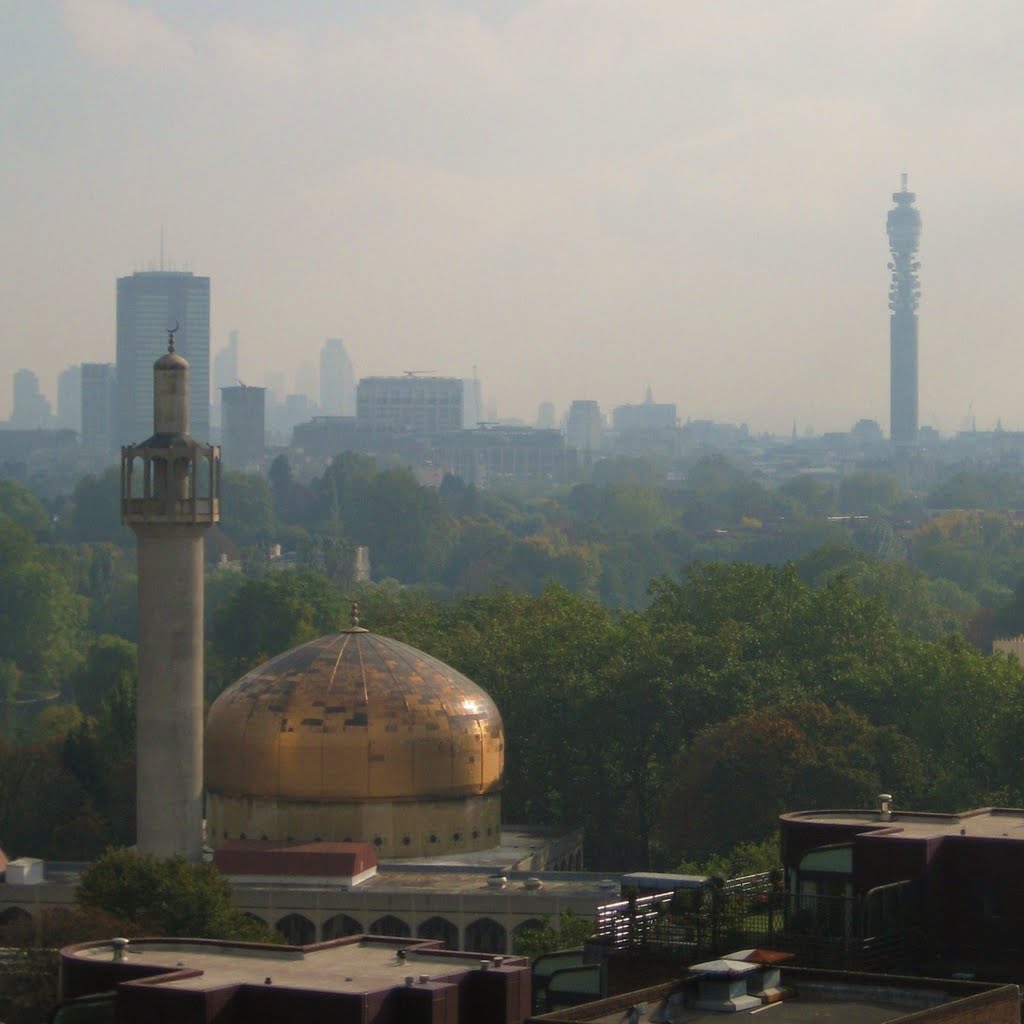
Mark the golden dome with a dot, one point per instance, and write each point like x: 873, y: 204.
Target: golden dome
x: 354, y: 717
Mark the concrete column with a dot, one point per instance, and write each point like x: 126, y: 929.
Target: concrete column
x: 170, y: 696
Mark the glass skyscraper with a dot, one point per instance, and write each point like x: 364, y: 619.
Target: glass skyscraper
x: 149, y: 304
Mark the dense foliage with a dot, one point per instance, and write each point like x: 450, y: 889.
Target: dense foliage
x: 166, y: 897
x: 677, y: 659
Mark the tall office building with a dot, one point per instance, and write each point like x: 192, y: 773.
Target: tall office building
x: 31, y: 410
x: 148, y: 305
x: 337, y: 380
x: 98, y: 401
x: 69, y: 399
x: 472, y: 403
x: 584, y: 427
x: 903, y: 225
x: 410, y: 404
x: 225, y: 365
x: 244, y: 426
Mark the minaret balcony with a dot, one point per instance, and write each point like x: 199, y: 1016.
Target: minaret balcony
x: 175, y: 483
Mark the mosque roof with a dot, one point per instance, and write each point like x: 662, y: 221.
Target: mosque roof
x: 354, y: 717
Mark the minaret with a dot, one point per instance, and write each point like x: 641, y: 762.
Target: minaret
x: 170, y: 495
x: 903, y: 225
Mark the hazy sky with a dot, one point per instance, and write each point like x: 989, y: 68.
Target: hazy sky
x: 580, y: 197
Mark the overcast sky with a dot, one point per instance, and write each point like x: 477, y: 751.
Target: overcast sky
x: 578, y: 197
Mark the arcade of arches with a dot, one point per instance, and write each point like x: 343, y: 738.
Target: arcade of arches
x: 481, y: 934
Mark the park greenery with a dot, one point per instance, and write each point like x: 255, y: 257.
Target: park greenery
x: 678, y: 659
x: 166, y: 897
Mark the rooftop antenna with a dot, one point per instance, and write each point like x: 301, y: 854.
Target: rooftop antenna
x: 903, y: 181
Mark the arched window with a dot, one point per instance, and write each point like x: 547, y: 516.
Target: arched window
x: 439, y: 928
x: 297, y: 930
x: 485, y: 935
x: 392, y: 926
x: 339, y: 926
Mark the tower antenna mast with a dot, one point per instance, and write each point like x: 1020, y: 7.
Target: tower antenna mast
x: 903, y: 226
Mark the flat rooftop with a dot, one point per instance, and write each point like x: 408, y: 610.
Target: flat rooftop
x: 455, y: 882
x: 989, y: 822
x: 518, y: 846
x: 361, y: 966
x: 820, y: 997
x: 789, y: 1011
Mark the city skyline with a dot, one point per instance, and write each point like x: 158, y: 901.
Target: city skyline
x: 587, y: 199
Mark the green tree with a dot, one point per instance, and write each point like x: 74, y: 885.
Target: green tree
x: 978, y: 489
x: 745, y: 858
x: 110, y: 662
x: 293, y: 501
x: 40, y: 618
x: 569, y: 931
x: 167, y: 897
x: 10, y: 684
x: 96, y: 510
x: 867, y: 493
x: 20, y: 506
x: 269, y: 615
x: 43, y: 810
x: 808, y: 495
x: 247, y: 510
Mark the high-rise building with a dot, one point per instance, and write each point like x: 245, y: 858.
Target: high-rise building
x: 903, y: 225
x: 337, y: 380
x: 472, y: 403
x: 31, y: 410
x: 98, y: 400
x: 170, y: 496
x: 414, y: 404
x: 69, y: 399
x: 307, y: 382
x: 648, y: 416
x: 225, y: 365
x: 148, y: 305
x: 244, y: 426
x: 584, y: 427
x: 546, y: 415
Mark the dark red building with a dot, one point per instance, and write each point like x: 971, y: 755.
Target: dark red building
x: 944, y: 890
x: 356, y: 979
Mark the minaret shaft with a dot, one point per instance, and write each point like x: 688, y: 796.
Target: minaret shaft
x: 169, y: 722
x: 170, y: 491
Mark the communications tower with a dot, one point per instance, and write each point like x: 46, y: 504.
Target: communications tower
x: 170, y: 496
x: 903, y: 226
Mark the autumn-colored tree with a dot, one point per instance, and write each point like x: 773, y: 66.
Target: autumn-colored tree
x: 735, y: 780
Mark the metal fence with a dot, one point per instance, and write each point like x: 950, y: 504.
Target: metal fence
x: 756, y: 912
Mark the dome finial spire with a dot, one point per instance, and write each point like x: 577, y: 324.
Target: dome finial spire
x: 354, y: 614
x: 170, y: 337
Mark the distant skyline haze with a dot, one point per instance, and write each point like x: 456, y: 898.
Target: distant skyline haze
x: 576, y: 198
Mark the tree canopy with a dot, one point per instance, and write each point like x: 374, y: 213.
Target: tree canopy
x: 170, y: 897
